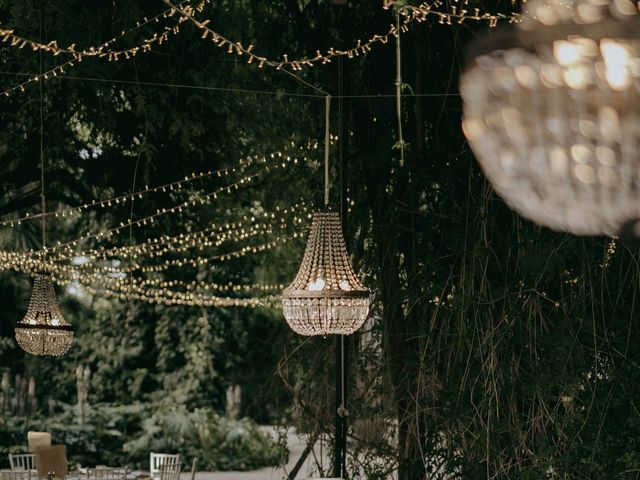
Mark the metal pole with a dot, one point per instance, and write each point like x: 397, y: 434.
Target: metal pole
x: 339, y: 421
x: 340, y: 454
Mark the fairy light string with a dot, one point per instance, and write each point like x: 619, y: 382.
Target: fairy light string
x: 99, y: 269
x: 154, y: 290
x: 8, y: 37
x: 446, y: 14
x: 212, y: 237
x: 419, y: 13
x: 21, y: 263
x: 456, y: 14
x: 290, y: 152
x: 203, y: 199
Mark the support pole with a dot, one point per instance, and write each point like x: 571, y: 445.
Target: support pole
x: 341, y: 413
x: 342, y: 345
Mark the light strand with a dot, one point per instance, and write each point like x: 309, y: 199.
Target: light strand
x: 101, y: 51
x: 285, y: 152
x: 214, y: 235
x: 8, y: 37
x: 282, y: 219
x: 203, y: 199
x: 453, y: 15
x: 419, y: 13
x: 459, y: 13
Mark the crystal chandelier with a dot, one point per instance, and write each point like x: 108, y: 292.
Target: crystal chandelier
x: 326, y: 297
x: 552, y: 112
x: 44, y: 331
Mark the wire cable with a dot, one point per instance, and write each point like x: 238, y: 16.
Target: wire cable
x: 275, y: 93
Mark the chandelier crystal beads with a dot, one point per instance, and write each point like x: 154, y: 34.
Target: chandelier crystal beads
x: 552, y: 112
x: 44, y: 331
x: 326, y: 297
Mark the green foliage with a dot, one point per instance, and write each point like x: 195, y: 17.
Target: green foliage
x: 98, y: 441
x: 124, y: 435
x: 217, y: 442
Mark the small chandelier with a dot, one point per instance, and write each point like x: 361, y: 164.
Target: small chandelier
x: 44, y: 331
x: 326, y: 297
x: 552, y: 112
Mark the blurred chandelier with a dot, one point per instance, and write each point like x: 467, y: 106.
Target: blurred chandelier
x: 44, y: 331
x: 326, y: 297
x: 552, y: 111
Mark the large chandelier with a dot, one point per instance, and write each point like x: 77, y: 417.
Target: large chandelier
x: 326, y: 297
x: 552, y: 111
x: 44, y: 331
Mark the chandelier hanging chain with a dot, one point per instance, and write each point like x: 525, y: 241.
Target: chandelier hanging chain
x: 327, y: 136
x: 400, y: 143
x: 42, y: 195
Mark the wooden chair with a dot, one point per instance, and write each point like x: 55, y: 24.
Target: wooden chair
x: 52, y: 459
x: 38, y: 439
x: 22, y: 461
x: 194, y: 467
x: 170, y: 470
x: 15, y: 474
x: 107, y: 473
x: 156, y: 460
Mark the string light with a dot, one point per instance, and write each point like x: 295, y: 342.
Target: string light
x: 23, y: 263
x: 163, y: 291
x: 281, y: 161
x: 115, y: 280
x: 157, y: 297
x: 214, y: 236
x: 288, y: 153
x: 102, y: 51
x: 119, y: 200
x: 418, y: 13
x: 8, y: 37
x: 289, y: 218
x: 90, y: 279
x: 101, y: 269
x: 456, y: 14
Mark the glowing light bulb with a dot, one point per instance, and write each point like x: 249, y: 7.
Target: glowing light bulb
x: 566, y: 53
x: 317, y: 285
x: 617, y: 60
